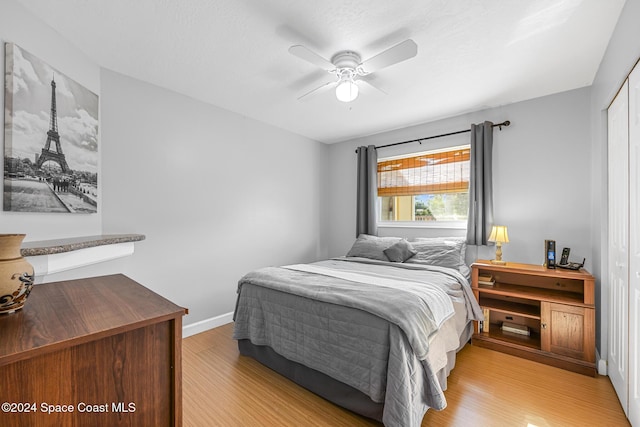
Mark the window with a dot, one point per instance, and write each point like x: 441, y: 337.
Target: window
x: 429, y: 188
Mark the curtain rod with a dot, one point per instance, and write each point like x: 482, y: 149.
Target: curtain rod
x: 505, y: 123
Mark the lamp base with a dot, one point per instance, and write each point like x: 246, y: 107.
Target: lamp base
x: 498, y: 259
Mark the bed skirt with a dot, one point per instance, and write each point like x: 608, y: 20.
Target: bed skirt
x: 324, y: 386
x: 330, y: 389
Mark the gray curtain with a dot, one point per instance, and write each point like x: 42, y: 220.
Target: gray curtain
x: 367, y: 196
x: 480, y: 217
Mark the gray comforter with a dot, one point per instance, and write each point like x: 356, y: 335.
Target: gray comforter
x: 327, y: 316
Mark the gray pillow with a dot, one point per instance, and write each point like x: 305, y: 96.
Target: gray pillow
x: 442, y: 251
x: 400, y: 252
x: 372, y: 247
x: 437, y: 255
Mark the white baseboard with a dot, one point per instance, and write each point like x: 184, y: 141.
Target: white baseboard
x: 206, y: 324
x: 601, y: 364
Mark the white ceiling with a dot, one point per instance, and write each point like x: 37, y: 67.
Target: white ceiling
x: 472, y: 54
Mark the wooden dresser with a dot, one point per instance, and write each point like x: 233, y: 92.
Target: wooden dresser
x: 102, y: 351
x: 552, y: 311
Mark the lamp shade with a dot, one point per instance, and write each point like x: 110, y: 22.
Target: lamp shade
x: 499, y: 234
x: 347, y: 90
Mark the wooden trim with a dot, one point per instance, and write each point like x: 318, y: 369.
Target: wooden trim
x: 623, y: 82
x: 436, y: 159
x: 589, y: 291
x: 415, y: 190
x: 529, y: 353
x: 534, y: 269
x: 176, y: 378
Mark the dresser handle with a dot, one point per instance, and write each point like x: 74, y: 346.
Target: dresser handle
x: 544, y: 325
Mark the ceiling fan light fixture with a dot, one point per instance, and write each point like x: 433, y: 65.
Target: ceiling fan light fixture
x: 347, y: 90
x: 348, y: 67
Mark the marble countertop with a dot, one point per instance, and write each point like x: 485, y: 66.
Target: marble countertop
x: 57, y: 246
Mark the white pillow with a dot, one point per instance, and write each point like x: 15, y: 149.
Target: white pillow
x: 442, y: 251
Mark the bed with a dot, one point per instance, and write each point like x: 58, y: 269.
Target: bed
x: 375, y: 331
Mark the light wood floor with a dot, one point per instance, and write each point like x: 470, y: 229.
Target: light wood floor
x: 486, y: 388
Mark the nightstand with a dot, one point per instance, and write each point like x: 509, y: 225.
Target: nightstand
x: 546, y: 315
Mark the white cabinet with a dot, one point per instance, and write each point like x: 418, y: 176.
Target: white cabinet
x: 624, y: 245
x: 634, y: 246
x: 618, y: 135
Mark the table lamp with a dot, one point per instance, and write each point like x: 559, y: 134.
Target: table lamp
x: 499, y: 235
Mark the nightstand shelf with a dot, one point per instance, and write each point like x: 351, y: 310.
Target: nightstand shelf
x: 510, y: 307
x: 555, y: 307
x: 534, y: 293
x: 495, y: 333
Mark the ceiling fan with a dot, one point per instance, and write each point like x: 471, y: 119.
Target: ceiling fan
x: 348, y: 68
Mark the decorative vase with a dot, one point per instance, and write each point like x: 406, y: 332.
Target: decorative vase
x: 16, y: 274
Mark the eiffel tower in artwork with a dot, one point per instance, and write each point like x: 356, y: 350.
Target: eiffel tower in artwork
x: 53, y: 135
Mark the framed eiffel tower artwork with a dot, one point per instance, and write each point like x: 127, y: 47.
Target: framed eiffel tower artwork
x: 50, y: 139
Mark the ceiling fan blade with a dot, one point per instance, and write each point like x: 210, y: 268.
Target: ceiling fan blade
x: 319, y: 89
x: 312, y: 57
x: 398, y: 53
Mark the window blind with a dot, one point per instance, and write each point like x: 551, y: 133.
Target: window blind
x: 426, y: 173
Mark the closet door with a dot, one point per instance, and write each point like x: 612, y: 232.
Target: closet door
x: 634, y: 247
x: 618, y: 136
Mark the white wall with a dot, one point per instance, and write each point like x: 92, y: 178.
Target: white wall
x: 216, y: 194
x: 20, y: 27
x: 621, y: 54
x: 541, y: 176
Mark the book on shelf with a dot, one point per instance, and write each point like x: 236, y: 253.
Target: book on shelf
x: 485, y: 323
x: 515, y: 328
x: 486, y: 279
